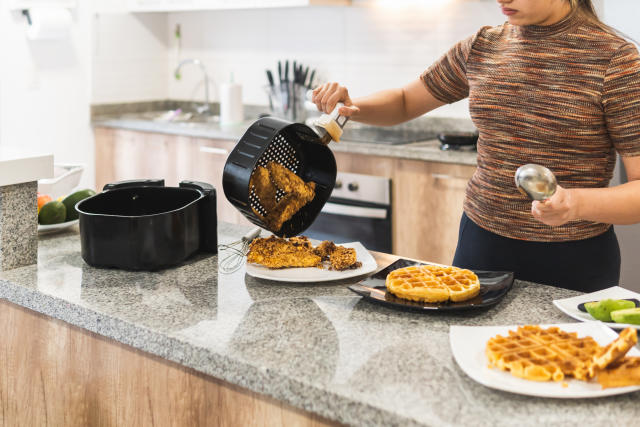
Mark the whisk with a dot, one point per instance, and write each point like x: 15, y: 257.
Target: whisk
x: 235, y: 252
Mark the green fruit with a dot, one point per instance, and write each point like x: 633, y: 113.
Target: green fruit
x: 601, y: 310
x: 53, y: 212
x: 72, y: 199
x: 629, y: 315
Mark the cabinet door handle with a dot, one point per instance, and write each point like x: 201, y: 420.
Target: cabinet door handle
x: 214, y: 150
x: 445, y: 176
x: 354, y: 211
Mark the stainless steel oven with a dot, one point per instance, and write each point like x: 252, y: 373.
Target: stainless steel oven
x: 359, y: 209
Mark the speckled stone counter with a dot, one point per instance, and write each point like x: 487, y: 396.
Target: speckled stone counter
x: 18, y: 225
x: 318, y: 347
x: 427, y: 150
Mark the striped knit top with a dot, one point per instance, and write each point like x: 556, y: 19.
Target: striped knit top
x: 565, y: 96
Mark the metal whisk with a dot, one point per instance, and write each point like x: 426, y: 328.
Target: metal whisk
x: 235, y: 252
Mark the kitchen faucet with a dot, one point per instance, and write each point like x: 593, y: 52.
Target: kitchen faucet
x: 203, y: 109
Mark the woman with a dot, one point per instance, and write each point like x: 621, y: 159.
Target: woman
x: 552, y: 86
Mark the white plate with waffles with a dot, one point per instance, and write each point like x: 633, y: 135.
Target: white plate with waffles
x: 569, y: 306
x: 468, y: 344
x: 314, y: 274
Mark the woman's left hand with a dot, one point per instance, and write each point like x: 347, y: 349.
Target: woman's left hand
x: 557, y: 210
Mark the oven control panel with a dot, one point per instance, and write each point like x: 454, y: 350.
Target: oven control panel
x: 365, y: 188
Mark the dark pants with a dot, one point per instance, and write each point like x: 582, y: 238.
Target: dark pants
x: 583, y: 265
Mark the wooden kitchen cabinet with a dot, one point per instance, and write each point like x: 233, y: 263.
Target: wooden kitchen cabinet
x: 56, y: 374
x: 427, y: 202
x: 123, y: 154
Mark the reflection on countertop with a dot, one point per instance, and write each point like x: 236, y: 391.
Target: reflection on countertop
x: 151, y: 117
x: 318, y: 347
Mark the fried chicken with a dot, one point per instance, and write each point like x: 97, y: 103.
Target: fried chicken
x: 264, y: 188
x: 289, y: 182
x: 275, y: 252
x: 288, y: 206
x: 266, y: 181
x: 302, y: 241
x: 324, y: 249
x: 342, y: 258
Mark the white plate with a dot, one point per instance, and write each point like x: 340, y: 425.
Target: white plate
x: 569, y: 306
x: 50, y: 228
x: 313, y: 274
x: 468, y: 345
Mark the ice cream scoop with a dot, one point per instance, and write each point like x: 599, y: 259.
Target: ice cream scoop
x: 536, y: 182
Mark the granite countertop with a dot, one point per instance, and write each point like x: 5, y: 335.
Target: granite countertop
x: 318, y: 347
x: 427, y: 150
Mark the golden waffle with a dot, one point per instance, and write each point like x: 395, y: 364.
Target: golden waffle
x: 539, y: 354
x: 462, y: 284
x: 616, y: 349
x: 624, y: 372
x: 430, y: 283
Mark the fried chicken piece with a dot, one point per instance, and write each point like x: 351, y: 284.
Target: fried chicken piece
x: 302, y: 241
x: 344, y: 258
x: 286, y: 180
x: 276, y: 252
x: 288, y: 206
x: 264, y: 188
x: 324, y: 249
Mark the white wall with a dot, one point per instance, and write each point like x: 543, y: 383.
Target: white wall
x: 45, y: 90
x: 129, y: 57
x: 365, y: 48
x: 623, y: 15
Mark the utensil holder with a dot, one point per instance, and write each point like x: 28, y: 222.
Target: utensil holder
x: 287, y: 102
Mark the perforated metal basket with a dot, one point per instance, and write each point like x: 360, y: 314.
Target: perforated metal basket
x: 293, y: 145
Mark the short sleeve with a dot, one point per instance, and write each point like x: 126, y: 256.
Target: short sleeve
x: 446, y: 78
x: 621, y: 100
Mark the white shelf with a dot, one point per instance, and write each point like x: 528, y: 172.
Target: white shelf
x: 26, y: 4
x: 17, y: 167
x: 185, y: 5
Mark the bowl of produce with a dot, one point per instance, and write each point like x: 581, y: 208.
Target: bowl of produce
x: 59, y: 214
x: 66, y: 178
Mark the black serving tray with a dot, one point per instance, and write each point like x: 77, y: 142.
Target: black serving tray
x: 494, y: 285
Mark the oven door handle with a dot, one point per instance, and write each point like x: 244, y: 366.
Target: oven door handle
x: 354, y: 211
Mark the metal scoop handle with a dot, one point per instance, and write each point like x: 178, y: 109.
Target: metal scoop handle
x: 319, y: 126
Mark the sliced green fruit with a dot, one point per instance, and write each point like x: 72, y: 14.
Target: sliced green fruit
x: 72, y: 199
x: 629, y: 315
x: 53, y: 212
x: 601, y: 310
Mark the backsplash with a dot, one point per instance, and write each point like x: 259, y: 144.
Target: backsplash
x: 365, y: 48
x: 129, y: 57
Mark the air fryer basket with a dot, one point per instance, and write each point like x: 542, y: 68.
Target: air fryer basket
x: 292, y: 145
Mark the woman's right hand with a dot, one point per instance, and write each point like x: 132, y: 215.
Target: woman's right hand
x: 328, y: 95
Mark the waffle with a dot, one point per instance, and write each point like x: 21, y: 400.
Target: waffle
x: 430, y: 283
x: 616, y: 349
x: 540, y: 354
x: 624, y: 372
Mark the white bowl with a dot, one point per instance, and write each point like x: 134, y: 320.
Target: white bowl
x: 65, y: 179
